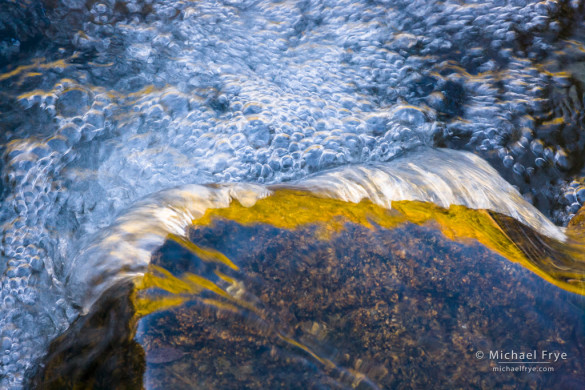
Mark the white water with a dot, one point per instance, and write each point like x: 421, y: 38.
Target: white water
x: 121, y: 102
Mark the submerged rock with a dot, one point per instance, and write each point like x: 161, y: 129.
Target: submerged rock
x: 336, y: 295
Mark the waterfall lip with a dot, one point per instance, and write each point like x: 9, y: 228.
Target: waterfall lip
x: 444, y: 177
x: 123, y: 250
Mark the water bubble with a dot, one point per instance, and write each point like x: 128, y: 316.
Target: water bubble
x: 58, y: 144
x: 266, y: 171
x: 100, y: 8
x: 574, y: 208
x: 327, y: 158
x: 294, y: 147
x: 258, y: 133
x: 518, y: 169
x: 508, y: 161
x: 562, y: 159
x: 74, y: 4
x: 252, y: 108
x: 537, y: 147
x: 6, y: 362
x: 570, y: 197
x: 14, y: 356
x: 409, y: 116
x: 281, y: 141
x: 6, y: 343
x: 175, y: 103
x: 9, y: 301
x: 238, y: 140
x: 377, y: 124
x: 73, y: 101
x: 37, y: 264
x: 71, y: 133
x: 24, y: 270
x: 287, y: 162
x: 311, y: 157
x: 548, y: 153
x: 580, y: 193
x: 274, y: 163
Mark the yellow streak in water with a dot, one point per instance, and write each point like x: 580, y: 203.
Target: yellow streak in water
x: 190, y: 285
x: 200, y: 281
x: 221, y: 305
x: 210, y: 255
x: 303, y: 347
x: 225, y: 278
x: 161, y: 278
x: 144, y: 306
x: 289, y: 209
x: 555, y: 121
x: 37, y: 64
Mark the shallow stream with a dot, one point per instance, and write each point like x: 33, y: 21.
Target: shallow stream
x: 122, y: 123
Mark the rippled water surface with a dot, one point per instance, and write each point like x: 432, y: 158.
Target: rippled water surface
x: 123, y: 122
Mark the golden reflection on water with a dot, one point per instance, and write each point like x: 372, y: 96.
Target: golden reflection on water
x: 188, y: 287
x: 288, y: 209
x: 37, y: 64
x: 209, y: 255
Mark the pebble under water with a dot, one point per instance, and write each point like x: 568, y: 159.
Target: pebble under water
x: 106, y: 103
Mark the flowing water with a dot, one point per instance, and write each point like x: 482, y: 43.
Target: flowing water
x: 123, y: 122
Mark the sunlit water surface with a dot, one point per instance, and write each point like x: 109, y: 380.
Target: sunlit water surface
x: 105, y: 104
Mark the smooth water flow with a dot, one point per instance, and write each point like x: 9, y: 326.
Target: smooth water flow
x: 104, y: 104
x: 124, y: 250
